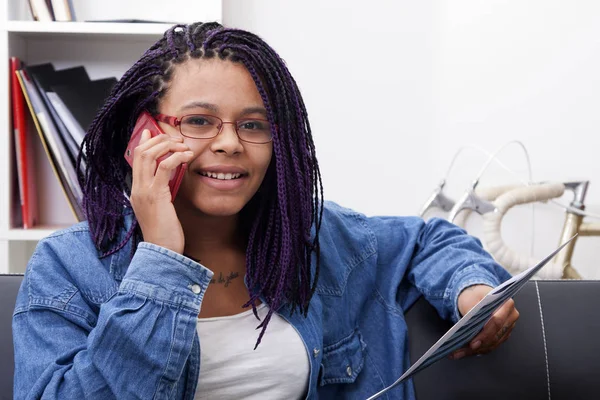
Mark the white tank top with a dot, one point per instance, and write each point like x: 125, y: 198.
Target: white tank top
x: 230, y: 368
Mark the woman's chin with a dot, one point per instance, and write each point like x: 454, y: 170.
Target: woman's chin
x: 218, y: 207
x: 219, y: 211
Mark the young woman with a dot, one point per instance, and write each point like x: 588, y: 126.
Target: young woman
x: 159, y: 299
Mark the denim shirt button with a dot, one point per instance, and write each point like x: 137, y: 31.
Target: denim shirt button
x: 349, y: 370
x: 196, y: 289
x: 316, y: 352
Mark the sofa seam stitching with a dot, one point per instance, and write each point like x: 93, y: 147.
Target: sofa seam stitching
x: 544, y: 339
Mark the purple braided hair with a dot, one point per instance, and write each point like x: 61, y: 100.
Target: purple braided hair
x: 277, y: 221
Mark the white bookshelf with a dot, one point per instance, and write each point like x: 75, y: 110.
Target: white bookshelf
x: 66, y: 30
x: 30, y: 235
x: 105, y: 49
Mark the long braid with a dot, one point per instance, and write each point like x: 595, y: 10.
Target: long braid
x: 300, y: 177
x: 279, y: 218
x: 310, y: 179
x: 283, y: 177
x: 286, y: 253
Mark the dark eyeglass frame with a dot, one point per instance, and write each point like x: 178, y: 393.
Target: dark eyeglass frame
x: 176, y: 122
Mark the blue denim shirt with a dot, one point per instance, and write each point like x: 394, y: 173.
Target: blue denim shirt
x: 122, y: 327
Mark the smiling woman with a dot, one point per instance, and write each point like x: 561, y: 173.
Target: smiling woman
x: 157, y: 297
x: 199, y: 87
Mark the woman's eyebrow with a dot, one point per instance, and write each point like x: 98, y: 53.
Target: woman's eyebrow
x: 214, y: 108
x: 201, y: 104
x: 255, y: 110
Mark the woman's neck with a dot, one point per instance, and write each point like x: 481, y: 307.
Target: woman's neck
x: 218, y: 244
x: 206, y: 234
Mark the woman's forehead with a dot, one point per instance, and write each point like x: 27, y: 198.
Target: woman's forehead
x: 223, y: 83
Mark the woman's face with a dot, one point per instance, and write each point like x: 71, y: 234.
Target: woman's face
x: 225, y: 90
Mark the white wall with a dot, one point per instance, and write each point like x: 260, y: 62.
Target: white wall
x: 366, y: 77
x: 526, y: 70
x: 394, y: 88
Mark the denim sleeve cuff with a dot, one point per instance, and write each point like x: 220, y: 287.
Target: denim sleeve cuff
x: 167, y: 276
x: 472, y: 275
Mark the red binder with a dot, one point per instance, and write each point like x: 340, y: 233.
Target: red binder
x: 24, y: 156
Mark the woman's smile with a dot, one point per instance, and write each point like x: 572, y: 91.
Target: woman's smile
x: 223, y: 178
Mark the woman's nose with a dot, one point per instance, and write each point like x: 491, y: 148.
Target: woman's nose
x: 227, y: 140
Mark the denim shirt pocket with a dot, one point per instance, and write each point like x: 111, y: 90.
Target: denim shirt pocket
x: 343, y: 360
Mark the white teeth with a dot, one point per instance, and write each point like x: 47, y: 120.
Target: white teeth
x: 221, y: 176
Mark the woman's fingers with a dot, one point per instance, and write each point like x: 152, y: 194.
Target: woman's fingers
x: 168, y: 165
x: 150, y: 196
x: 495, y: 327
x: 496, y: 331
x: 136, y: 170
x: 503, y: 334
x: 147, y: 153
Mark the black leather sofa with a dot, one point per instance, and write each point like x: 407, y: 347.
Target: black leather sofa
x: 552, y: 354
x: 9, y: 286
x: 558, y: 359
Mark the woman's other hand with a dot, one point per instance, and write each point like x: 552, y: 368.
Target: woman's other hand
x: 150, y: 194
x: 496, y: 331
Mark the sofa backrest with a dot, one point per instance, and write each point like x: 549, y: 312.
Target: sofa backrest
x: 9, y: 286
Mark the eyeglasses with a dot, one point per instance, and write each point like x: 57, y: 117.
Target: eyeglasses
x: 203, y: 126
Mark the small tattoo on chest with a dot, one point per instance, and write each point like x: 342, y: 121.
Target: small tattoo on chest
x: 225, y: 279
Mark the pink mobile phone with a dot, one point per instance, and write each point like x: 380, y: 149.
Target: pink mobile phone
x: 145, y: 121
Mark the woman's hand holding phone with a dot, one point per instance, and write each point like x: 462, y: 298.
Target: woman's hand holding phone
x: 150, y: 193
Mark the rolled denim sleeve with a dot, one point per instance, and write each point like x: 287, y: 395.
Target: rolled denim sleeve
x: 470, y: 276
x: 166, y: 276
x: 135, y: 346
x: 435, y: 259
x: 447, y: 261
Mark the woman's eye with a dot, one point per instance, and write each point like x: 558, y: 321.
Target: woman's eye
x: 252, y: 125
x: 199, y: 121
